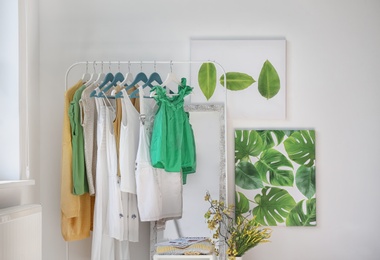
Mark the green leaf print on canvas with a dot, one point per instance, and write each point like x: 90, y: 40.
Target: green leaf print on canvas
x: 237, y: 80
x: 207, y: 79
x: 269, y: 81
x: 275, y: 168
x: 297, y: 216
x: 300, y: 147
x: 247, y: 177
x: 247, y: 143
x: 305, y: 180
x: 242, y: 204
x: 271, y: 138
x: 273, y: 206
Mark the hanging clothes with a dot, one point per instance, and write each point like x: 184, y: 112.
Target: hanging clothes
x: 76, y: 211
x: 107, y: 200
x: 172, y: 145
x: 129, y: 136
x: 80, y: 184
x: 159, y: 193
x: 89, y: 135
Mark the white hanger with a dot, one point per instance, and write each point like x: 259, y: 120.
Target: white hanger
x: 128, y: 78
x: 170, y: 78
x: 100, y: 77
x: 86, y: 76
x: 92, y: 77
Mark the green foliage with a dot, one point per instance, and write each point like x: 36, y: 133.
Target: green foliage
x: 305, y: 181
x: 237, y: 81
x: 247, y: 177
x: 268, y: 85
x: 207, y: 79
x: 241, y: 204
x: 300, y: 147
x: 269, y: 81
x: 279, y: 158
x: 247, y: 143
x: 297, y: 216
x: 271, y: 138
x: 273, y: 206
x: 275, y: 168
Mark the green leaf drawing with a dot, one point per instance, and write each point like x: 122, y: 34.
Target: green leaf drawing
x: 237, y: 80
x: 207, y: 79
x: 268, y: 137
x: 269, y: 81
x: 247, y: 143
x: 247, y: 177
x: 273, y: 206
x: 298, y: 217
x: 275, y: 168
x: 241, y: 204
x: 305, y: 180
x: 300, y: 147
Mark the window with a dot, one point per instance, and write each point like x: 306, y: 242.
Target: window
x: 9, y: 94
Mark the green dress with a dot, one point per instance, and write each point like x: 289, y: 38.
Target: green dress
x: 172, y: 145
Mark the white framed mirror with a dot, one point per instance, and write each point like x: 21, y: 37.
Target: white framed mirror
x: 209, y: 124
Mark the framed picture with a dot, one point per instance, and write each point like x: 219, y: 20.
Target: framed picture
x: 261, y: 63
x: 275, y: 176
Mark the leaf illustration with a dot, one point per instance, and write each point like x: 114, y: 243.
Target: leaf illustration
x: 207, y: 79
x: 247, y: 143
x: 237, y: 80
x: 273, y: 207
x: 300, y: 147
x: 275, y: 168
x: 305, y: 180
x: 269, y: 81
x: 242, y: 204
x: 247, y: 177
x: 298, y: 217
x: 268, y: 137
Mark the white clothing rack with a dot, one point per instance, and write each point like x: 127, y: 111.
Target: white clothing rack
x: 171, y: 62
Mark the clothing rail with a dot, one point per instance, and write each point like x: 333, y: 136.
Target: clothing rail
x: 171, y: 62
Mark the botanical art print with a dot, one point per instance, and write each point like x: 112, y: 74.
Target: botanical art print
x: 275, y: 176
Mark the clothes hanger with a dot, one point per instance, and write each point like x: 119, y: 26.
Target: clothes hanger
x: 100, y: 77
x: 119, y: 77
x: 170, y: 78
x: 86, y: 76
x: 128, y: 78
x: 93, y: 76
x: 154, y: 77
x: 140, y: 77
x: 107, y: 78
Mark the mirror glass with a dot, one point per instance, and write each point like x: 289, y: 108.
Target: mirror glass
x: 208, y: 122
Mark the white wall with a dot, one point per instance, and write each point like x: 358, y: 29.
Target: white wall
x: 333, y: 64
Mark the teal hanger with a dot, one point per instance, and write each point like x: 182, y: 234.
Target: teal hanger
x: 108, y: 78
x: 139, y: 77
x: 119, y: 77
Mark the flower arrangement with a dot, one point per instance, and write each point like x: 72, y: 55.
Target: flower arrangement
x: 239, y: 233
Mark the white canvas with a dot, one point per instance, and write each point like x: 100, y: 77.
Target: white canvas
x: 246, y: 56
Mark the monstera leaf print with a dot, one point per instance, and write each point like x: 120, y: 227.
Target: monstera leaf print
x: 305, y: 180
x: 275, y: 176
x: 247, y: 143
x: 273, y: 206
x: 300, y: 147
x: 268, y: 137
x: 275, y: 168
x: 298, y: 217
x: 241, y: 204
x: 247, y: 177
